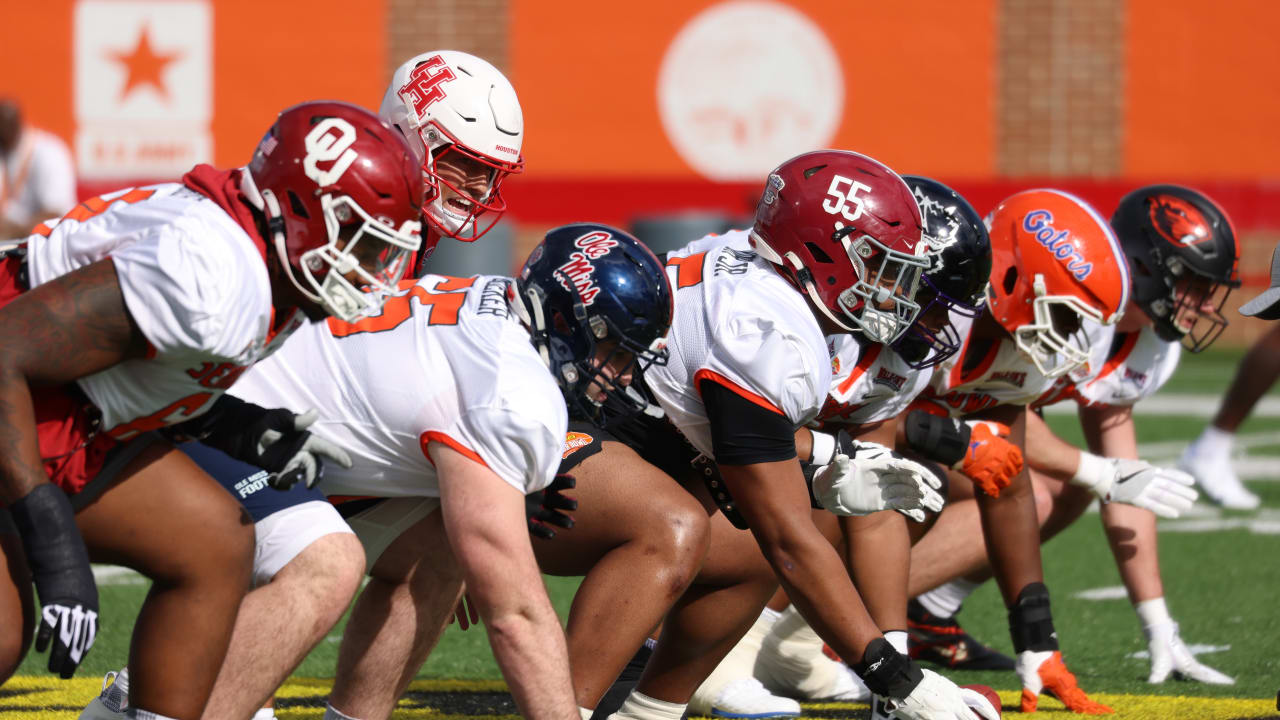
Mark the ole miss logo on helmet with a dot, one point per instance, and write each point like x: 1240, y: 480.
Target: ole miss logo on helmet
x: 1178, y: 221
x: 579, y: 270
x: 426, y: 84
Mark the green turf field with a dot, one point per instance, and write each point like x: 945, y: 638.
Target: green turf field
x: 1221, y: 573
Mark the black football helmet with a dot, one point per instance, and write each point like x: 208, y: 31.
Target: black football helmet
x: 1183, y: 260
x: 956, y: 280
x: 586, y: 286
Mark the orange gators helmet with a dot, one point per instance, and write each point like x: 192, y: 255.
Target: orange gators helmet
x: 1055, y: 262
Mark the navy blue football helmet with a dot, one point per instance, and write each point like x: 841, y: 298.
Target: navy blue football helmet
x: 956, y: 280
x: 594, y: 297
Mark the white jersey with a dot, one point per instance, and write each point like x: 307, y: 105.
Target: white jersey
x: 1123, y: 367
x: 194, y: 283
x: 739, y: 323
x: 37, y: 179
x: 444, y: 362
x: 1003, y: 376
x: 870, y: 383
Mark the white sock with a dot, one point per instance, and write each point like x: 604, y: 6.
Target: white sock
x: 122, y: 680
x: 137, y: 714
x: 945, y: 600
x: 770, y: 615
x: 1153, y: 612
x: 639, y: 706
x: 269, y: 713
x: 898, y: 639
x: 330, y: 713
x: 585, y: 713
x: 1213, y: 442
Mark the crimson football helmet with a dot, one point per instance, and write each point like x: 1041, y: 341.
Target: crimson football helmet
x: 846, y: 231
x: 449, y: 104
x: 342, y: 194
x: 1183, y: 260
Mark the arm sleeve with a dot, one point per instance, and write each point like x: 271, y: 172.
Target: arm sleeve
x: 744, y: 432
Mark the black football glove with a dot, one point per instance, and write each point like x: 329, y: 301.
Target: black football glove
x: 546, y: 507
x: 60, y: 570
x: 275, y: 440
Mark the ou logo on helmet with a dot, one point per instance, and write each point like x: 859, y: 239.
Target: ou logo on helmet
x: 329, y: 141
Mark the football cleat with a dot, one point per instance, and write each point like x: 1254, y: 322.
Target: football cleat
x: 943, y: 642
x: 112, y: 702
x: 1218, y: 480
x: 743, y: 697
x: 791, y: 663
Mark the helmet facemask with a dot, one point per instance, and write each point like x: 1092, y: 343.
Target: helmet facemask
x: 932, y: 338
x: 444, y: 196
x: 372, y: 249
x: 590, y: 356
x: 1190, y: 313
x: 1055, y: 341
x: 892, y: 281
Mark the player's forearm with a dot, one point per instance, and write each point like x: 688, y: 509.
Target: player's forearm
x: 528, y: 644
x: 1047, y: 453
x: 21, y: 469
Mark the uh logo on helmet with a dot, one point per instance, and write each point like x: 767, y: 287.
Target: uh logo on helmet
x: 1055, y: 263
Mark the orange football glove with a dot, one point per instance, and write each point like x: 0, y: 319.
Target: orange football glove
x: 990, y: 461
x: 1044, y: 671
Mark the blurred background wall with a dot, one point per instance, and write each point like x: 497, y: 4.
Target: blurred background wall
x: 668, y: 115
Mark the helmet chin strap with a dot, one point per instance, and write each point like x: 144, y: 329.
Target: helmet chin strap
x: 275, y: 225
x: 806, y: 280
x: 530, y: 314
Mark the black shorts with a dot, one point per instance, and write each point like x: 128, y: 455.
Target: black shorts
x: 655, y: 440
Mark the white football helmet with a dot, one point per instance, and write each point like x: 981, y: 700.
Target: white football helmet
x: 451, y: 102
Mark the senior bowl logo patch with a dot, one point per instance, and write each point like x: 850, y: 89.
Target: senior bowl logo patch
x: 835, y: 365
x: 575, y: 441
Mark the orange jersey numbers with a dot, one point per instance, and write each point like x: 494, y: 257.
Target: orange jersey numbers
x: 444, y: 299
x: 688, y: 269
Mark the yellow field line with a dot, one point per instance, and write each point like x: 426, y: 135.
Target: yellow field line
x: 48, y: 698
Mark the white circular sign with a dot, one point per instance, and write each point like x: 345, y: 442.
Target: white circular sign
x: 747, y: 84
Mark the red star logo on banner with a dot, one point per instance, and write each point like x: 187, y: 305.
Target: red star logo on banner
x: 144, y: 65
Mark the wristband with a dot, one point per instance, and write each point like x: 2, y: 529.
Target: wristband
x: 55, y: 551
x: 1094, y: 473
x: 887, y: 672
x: 823, y: 450
x: 937, y: 438
x: 1031, y: 621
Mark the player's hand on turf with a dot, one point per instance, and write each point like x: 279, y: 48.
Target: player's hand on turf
x: 550, y: 506
x: 1169, y: 655
x: 990, y: 460
x: 867, y: 477
x: 60, y: 570
x: 1164, y: 491
x: 1043, y: 671
x: 291, y: 453
x: 937, y: 698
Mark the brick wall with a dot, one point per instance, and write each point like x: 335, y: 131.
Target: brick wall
x: 478, y: 27
x: 1060, y: 94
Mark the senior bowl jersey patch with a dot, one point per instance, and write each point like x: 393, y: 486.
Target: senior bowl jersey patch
x: 740, y: 324
x: 873, y: 383
x: 445, y: 362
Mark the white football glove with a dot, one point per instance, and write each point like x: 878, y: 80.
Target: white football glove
x: 305, y: 464
x: 1164, y: 491
x: 937, y: 698
x: 1170, y: 655
x: 875, y: 479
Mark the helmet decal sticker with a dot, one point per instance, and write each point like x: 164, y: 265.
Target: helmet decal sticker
x: 1057, y: 242
x: 1178, y: 221
x: 579, y: 271
x: 426, y: 84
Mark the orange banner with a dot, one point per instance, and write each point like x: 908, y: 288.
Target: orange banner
x: 145, y: 89
x: 726, y: 90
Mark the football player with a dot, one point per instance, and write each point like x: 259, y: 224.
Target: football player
x: 138, y: 310
x: 835, y: 248
x: 463, y: 122
x: 872, y: 387
x: 1056, y: 265
x: 1182, y: 255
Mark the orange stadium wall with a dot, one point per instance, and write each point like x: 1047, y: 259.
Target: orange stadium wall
x: 634, y: 110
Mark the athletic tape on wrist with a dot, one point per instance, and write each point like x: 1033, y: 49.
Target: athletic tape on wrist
x: 823, y: 450
x: 937, y: 438
x: 1031, y: 621
x: 887, y: 672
